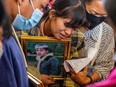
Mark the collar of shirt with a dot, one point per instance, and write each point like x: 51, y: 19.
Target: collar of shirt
x: 92, y: 34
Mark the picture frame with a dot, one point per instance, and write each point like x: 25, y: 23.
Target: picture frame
x: 60, y: 49
x: 33, y: 81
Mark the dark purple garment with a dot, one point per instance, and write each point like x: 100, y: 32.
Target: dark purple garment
x: 12, y: 67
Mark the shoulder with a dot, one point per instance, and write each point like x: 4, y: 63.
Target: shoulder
x: 11, y: 44
x: 107, y: 26
x: 53, y: 59
x: 9, y: 41
x: 107, y: 30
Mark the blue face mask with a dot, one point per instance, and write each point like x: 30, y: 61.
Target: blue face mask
x: 22, y: 23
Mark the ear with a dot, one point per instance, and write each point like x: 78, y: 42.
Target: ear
x: 51, y: 13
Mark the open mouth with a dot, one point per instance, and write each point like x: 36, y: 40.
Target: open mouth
x: 62, y: 36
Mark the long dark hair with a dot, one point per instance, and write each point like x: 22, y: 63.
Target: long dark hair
x: 4, y: 21
x: 72, y: 9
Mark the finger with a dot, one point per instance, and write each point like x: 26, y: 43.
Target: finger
x: 72, y: 71
x: 50, y: 78
x: 45, y: 85
x: 50, y: 82
x: 85, y: 69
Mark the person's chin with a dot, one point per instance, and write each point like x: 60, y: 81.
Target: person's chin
x: 60, y: 38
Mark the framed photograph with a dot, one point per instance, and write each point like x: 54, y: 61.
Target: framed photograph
x: 46, y: 54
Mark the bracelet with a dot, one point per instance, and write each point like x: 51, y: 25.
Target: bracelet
x: 90, y: 78
x: 100, y: 75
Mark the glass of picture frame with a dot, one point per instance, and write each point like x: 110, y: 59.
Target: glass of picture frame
x: 59, y: 48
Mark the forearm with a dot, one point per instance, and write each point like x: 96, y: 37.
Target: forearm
x: 109, y: 82
x: 102, y: 71
x: 104, y: 62
x: 104, y: 67
x: 94, y: 77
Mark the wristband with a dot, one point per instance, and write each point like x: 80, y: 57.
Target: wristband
x: 90, y: 78
x: 100, y: 75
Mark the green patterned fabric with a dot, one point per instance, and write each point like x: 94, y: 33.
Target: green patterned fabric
x: 78, y: 45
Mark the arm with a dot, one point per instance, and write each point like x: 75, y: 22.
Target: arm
x: 82, y: 78
x: 104, y: 62
x: 109, y: 82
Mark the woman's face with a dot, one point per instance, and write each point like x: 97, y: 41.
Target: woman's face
x: 58, y: 28
x: 96, y: 7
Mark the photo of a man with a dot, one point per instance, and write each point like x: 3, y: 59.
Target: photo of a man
x: 47, y: 62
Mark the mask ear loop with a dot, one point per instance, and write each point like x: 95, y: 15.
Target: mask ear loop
x: 18, y: 8
x: 32, y: 4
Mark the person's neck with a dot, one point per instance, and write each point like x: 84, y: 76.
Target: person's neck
x: 83, y: 29
x: 47, y: 28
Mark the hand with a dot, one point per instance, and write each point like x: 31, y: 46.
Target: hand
x: 47, y: 79
x: 80, y: 77
x: 95, y: 76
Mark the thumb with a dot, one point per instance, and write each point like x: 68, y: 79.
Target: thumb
x: 72, y: 71
x: 85, y: 69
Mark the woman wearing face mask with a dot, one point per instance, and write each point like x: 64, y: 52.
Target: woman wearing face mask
x: 110, y: 81
x: 102, y: 63
x: 95, y: 12
x: 12, y: 66
x: 25, y: 14
x: 21, y: 11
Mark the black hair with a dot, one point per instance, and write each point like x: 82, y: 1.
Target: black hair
x: 4, y: 21
x: 72, y: 9
x: 86, y: 1
x: 46, y: 48
x: 110, y: 6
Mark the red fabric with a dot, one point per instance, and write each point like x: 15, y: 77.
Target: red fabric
x: 51, y: 3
